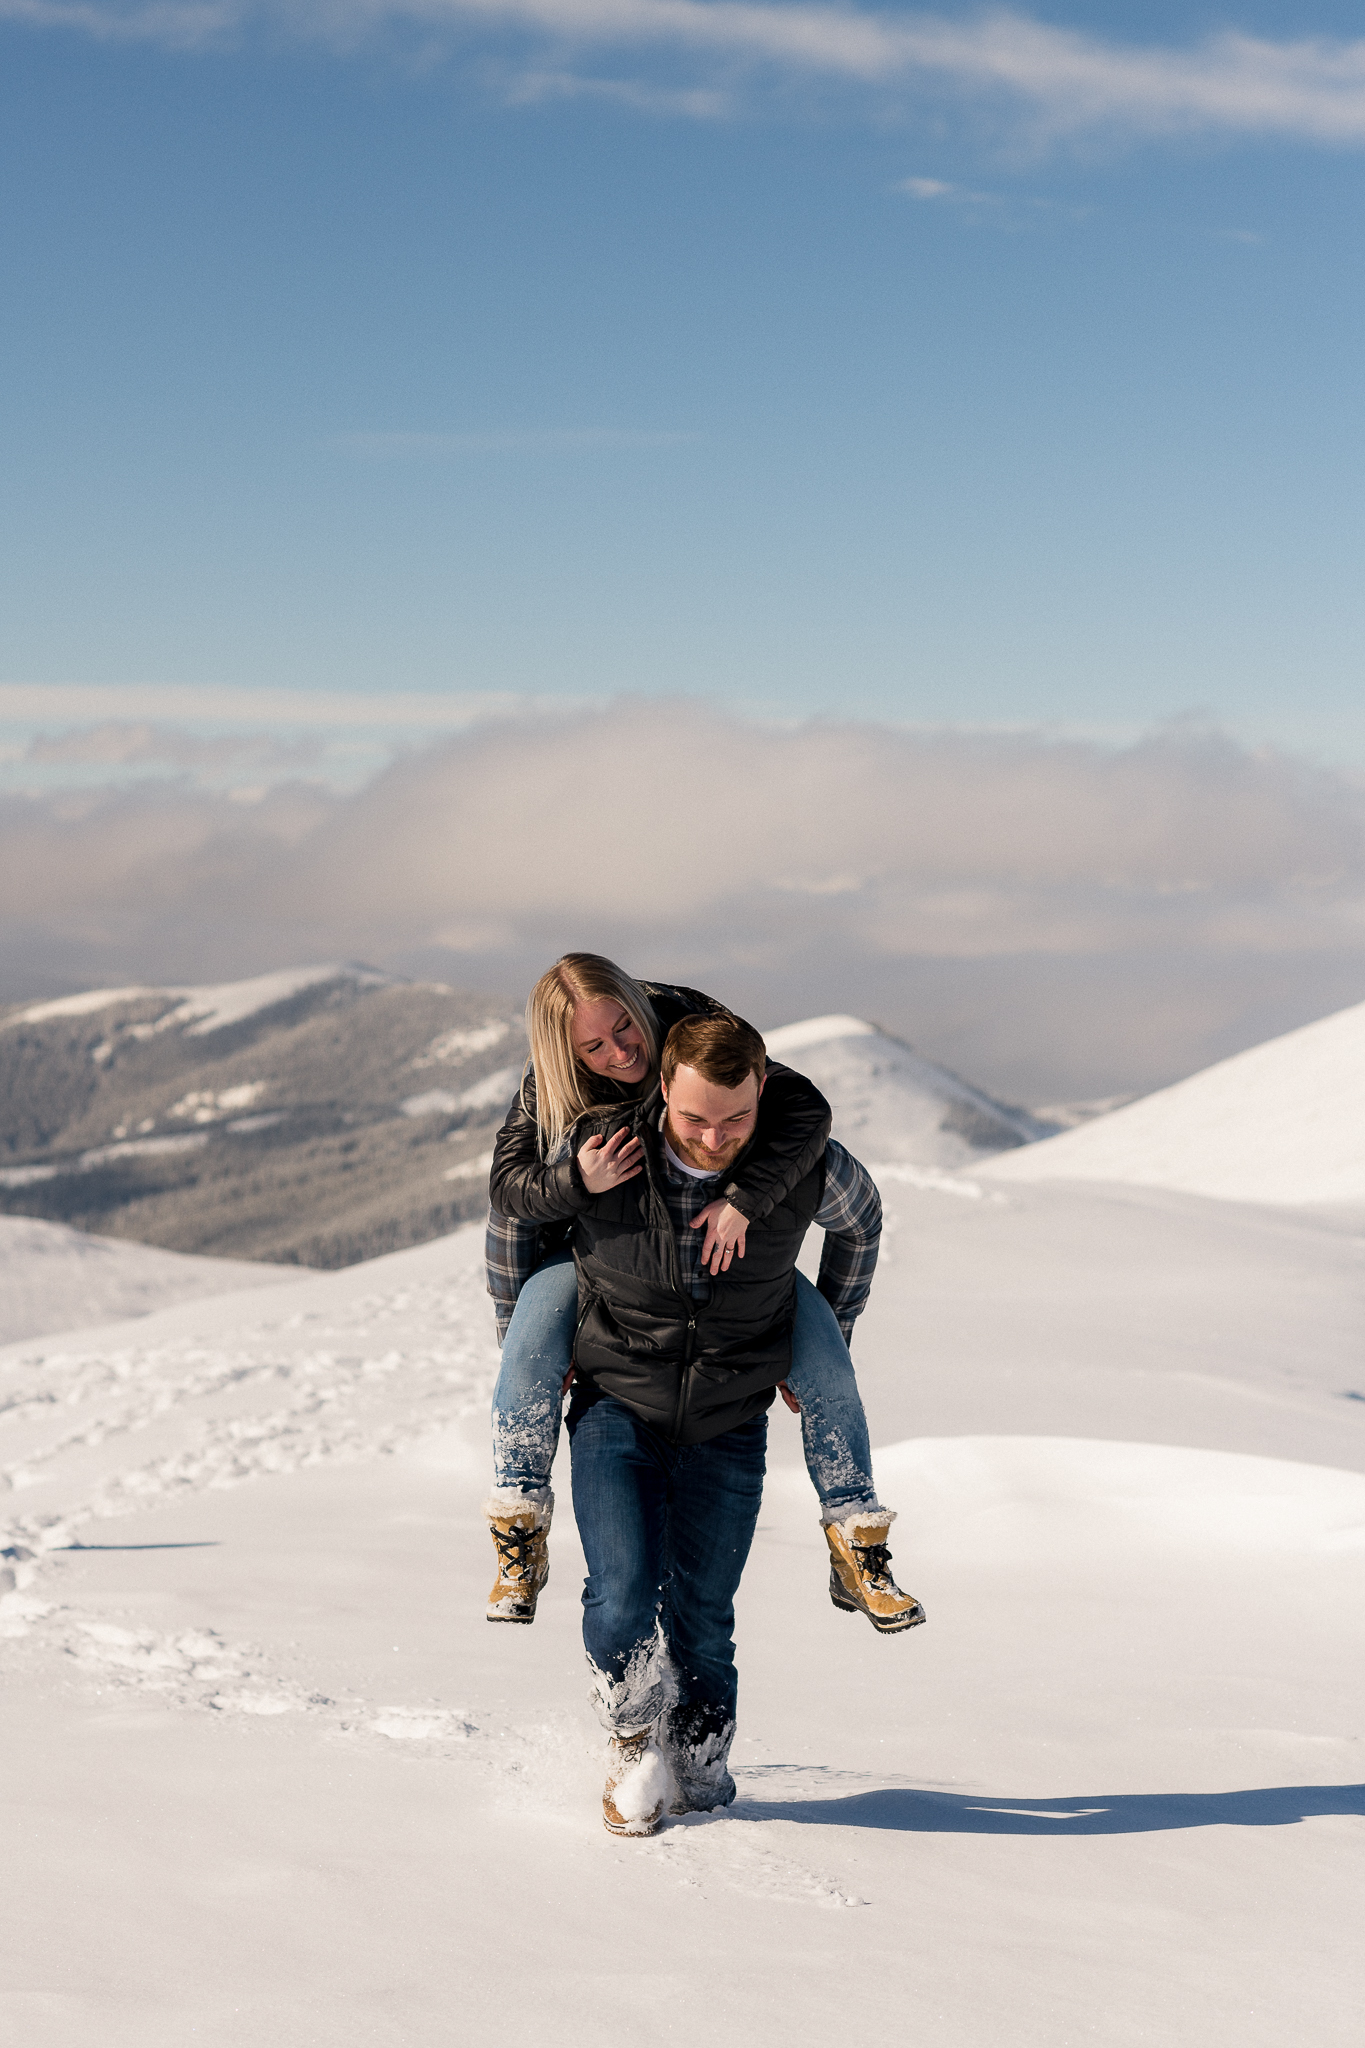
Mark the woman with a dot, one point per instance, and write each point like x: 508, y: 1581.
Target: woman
x: 595, y: 1036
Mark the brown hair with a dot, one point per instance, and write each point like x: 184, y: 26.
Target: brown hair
x: 723, y: 1050
x: 563, y: 1084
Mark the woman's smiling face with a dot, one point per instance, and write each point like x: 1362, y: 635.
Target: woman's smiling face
x: 608, y: 1042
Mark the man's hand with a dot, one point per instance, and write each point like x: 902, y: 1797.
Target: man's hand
x: 789, y: 1397
x: 725, y: 1233
x: 605, y: 1163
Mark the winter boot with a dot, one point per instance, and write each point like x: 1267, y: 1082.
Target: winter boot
x: 521, y: 1528
x: 639, y: 1784
x: 696, y: 1742
x: 860, y: 1578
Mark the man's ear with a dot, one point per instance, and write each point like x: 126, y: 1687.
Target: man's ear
x: 762, y: 1084
x: 664, y: 1086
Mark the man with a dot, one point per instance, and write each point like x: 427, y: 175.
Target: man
x: 676, y: 1367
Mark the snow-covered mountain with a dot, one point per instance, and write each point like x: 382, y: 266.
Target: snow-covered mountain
x: 316, y: 1115
x: 323, y: 1114
x: 1283, y: 1122
x: 891, y: 1104
x: 200, y: 1010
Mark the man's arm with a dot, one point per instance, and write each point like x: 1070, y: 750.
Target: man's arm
x: 793, y: 1125
x: 850, y: 1214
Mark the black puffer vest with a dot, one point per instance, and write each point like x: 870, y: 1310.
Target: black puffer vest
x: 691, y: 1369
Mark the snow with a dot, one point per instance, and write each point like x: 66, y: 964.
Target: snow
x: 646, y: 1787
x: 491, y: 1093
x: 434, y: 1102
x: 454, y: 1047
x: 271, y: 1773
x: 1281, y: 1123
x: 209, y: 1008
x: 101, y: 1155
x: 83, y: 1005
x: 203, y: 1010
x: 790, y: 1039
x: 203, y: 1106
x: 893, y: 1105
x: 471, y: 1169
x: 53, y: 1278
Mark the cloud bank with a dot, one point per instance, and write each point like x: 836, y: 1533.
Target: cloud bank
x: 1058, y: 81
x: 795, y: 870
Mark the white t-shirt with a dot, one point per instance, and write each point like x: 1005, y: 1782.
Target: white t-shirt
x: 692, y: 1172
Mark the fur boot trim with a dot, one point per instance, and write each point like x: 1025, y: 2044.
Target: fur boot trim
x: 874, y: 1517
x: 507, y: 1500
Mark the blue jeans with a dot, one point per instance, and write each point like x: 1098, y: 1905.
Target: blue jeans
x: 666, y: 1531
x: 538, y: 1351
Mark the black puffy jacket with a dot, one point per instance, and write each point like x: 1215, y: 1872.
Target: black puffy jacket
x: 793, y: 1126
x: 689, y: 1368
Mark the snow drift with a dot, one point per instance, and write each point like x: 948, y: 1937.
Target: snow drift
x: 1283, y: 1122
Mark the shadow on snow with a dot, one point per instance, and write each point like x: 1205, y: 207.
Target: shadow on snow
x: 1124, y: 1813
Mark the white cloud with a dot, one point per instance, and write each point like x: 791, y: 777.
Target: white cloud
x: 693, y: 104
x: 1053, y: 893
x: 908, y: 843
x: 1059, y: 81
x: 933, y: 189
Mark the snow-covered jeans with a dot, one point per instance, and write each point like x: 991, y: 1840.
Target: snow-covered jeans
x: 538, y: 1351
x: 666, y: 1530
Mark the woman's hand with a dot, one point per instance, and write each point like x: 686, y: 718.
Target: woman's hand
x: 605, y: 1163
x: 789, y: 1397
x: 725, y: 1233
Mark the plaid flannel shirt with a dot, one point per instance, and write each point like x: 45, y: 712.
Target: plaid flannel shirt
x: 850, y: 1214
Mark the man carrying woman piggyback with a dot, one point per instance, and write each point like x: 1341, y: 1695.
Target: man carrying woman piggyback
x: 650, y: 1191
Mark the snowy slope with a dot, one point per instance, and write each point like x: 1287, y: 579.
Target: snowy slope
x: 202, y: 1010
x: 890, y: 1104
x: 1284, y: 1122
x: 262, y: 1119
x: 52, y: 1278
x: 1111, y: 1794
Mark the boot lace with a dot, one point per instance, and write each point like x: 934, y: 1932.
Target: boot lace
x: 874, y: 1561
x: 516, y: 1557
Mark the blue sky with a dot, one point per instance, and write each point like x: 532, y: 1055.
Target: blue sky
x: 854, y: 507
x: 457, y: 354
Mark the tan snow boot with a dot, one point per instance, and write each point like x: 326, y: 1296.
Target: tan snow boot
x: 638, y: 1786
x: 521, y: 1539
x: 860, y: 1578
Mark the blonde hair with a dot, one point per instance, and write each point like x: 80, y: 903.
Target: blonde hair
x: 563, y: 1084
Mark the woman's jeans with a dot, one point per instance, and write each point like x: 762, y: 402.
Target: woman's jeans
x: 538, y: 1351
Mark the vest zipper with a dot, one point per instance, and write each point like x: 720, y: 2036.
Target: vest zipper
x: 684, y: 1377
x: 690, y: 1340
x: 578, y: 1330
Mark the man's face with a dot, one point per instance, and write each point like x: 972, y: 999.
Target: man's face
x: 709, y: 1126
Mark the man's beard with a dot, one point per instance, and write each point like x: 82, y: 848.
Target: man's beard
x: 698, y: 1156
